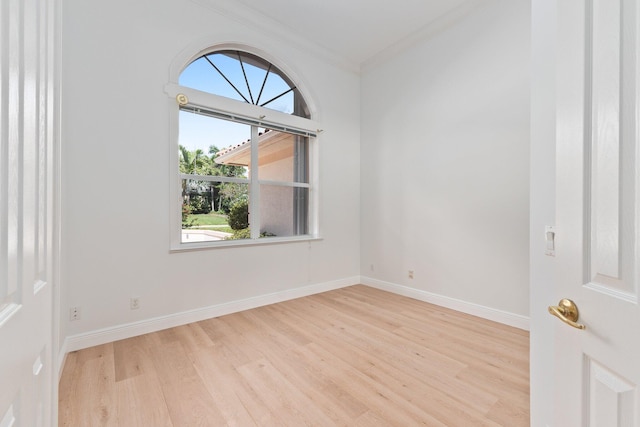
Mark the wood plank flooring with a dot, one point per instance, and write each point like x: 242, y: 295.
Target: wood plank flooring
x: 356, y: 356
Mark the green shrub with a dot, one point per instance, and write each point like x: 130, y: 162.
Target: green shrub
x: 245, y: 233
x: 199, y: 204
x: 239, y: 215
x: 186, y: 211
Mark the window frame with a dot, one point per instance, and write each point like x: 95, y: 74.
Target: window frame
x: 232, y: 109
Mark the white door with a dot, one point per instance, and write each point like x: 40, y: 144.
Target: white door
x: 597, y: 370
x: 27, y: 373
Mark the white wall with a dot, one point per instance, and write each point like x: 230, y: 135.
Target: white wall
x: 115, y: 208
x: 445, y: 162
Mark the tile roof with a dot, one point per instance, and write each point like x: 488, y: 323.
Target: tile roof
x: 235, y: 147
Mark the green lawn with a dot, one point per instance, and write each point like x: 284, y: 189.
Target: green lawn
x: 210, y: 221
x: 211, y: 218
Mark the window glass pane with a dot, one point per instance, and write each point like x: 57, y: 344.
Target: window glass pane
x: 247, y: 78
x: 283, y: 157
x: 201, y: 139
x: 202, y: 76
x: 283, y: 211
x: 213, y: 211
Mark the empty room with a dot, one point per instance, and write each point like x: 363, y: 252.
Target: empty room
x: 269, y: 213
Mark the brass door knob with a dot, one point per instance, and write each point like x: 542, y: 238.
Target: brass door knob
x: 567, y: 311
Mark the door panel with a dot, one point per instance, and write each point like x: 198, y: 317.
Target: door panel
x: 26, y: 208
x: 610, y: 399
x: 597, y: 212
x: 610, y: 99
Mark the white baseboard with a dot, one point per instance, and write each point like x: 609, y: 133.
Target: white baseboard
x: 106, y: 335
x: 62, y: 358
x: 504, y: 317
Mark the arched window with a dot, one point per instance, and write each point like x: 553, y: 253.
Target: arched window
x: 245, y: 77
x: 244, y: 146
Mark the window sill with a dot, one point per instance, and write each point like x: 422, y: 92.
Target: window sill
x: 182, y: 247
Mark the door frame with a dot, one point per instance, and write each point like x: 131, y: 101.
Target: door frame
x: 542, y: 207
x: 55, y: 108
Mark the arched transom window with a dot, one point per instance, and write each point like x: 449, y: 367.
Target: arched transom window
x: 245, y: 77
x: 244, y: 145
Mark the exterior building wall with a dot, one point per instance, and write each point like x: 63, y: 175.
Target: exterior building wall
x: 276, y: 203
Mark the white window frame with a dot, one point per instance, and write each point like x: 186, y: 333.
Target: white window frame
x: 241, y: 111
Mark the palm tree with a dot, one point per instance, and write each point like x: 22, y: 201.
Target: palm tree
x: 193, y: 162
x: 227, y: 192
x: 196, y: 162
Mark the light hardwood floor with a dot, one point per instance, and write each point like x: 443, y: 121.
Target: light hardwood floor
x: 352, y: 357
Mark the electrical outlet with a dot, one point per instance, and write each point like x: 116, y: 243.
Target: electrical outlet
x: 410, y: 274
x: 134, y: 303
x: 74, y: 313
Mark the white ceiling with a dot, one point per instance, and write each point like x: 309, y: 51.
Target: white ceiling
x: 356, y: 30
